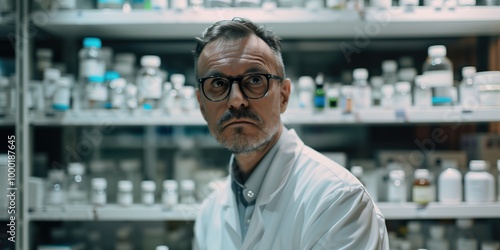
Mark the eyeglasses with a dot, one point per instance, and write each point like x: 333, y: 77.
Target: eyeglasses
x: 253, y: 86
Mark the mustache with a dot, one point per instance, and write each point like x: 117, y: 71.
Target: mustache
x: 238, y: 114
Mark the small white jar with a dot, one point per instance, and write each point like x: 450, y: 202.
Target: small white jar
x: 148, y: 192
x: 125, y: 196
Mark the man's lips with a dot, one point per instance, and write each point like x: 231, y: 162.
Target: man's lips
x: 238, y: 122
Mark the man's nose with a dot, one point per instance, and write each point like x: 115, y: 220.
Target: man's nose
x: 236, y: 97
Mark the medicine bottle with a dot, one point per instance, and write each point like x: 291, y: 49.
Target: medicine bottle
x: 479, y: 184
x: 422, y: 189
x: 5, y: 96
x: 77, y: 184
x: 96, y: 93
x: 125, y: 195
x: 306, y: 92
x: 450, y: 183
x: 117, y: 94
x: 170, y: 195
x: 62, y: 94
x: 467, y: 90
x: 362, y: 91
x: 403, y: 95
x: 415, y: 235
x: 422, y: 92
x: 148, y: 192
x: 389, y: 72
x: 346, y: 101
x: 332, y: 95
x: 187, y: 192
x: 438, y: 70
x: 91, y: 59
x: 437, y: 239
x: 56, y: 191
x: 387, y: 98
x: 397, y: 186
x: 465, y: 237
x: 149, y: 82
x: 319, y: 94
x: 99, y: 195
x: 376, y: 83
x: 50, y: 80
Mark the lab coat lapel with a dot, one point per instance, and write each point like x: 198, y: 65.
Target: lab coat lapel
x: 255, y: 230
x: 231, y: 221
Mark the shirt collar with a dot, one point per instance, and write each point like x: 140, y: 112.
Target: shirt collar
x: 250, y: 189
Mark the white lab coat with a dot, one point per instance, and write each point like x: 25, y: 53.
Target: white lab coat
x: 306, y: 201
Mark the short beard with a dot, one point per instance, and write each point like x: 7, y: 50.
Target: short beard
x: 240, y: 144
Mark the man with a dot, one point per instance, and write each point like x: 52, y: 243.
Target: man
x: 280, y: 194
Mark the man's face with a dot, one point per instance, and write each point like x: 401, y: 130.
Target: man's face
x: 240, y: 124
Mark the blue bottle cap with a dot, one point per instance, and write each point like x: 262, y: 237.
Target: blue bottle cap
x: 96, y: 79
x: 111, y: 75
x: 91, y: 42
x: 60, y: 107
x: 147, y: 106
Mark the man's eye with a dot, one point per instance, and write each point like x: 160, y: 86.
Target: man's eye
x: 218, y: 83
x: 255, y: 80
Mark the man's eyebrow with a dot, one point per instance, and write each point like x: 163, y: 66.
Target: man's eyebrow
x: 248, y: 71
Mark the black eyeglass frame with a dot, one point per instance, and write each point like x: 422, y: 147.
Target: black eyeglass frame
x: 239, y: 80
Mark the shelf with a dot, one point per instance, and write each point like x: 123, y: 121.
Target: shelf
x: 106, y: 118
x: 408, y: 211
x: 8, y: 120
x: 113, y: 212
x: 287, y: 23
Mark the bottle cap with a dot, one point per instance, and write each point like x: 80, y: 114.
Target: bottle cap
x: 65, y: 81
x: 97, y: 79
x: 149, y: 186
x: 464, y: 223
x: 478, y: 165
x: 76, y: 168
x: 306, y: 83
x: 437, y: 231
x: 43, y: 52
x: 170, y: 184
x: 397, y: 174
x: 332, y: 92
x: 407, y: 74
x: 187, y: 184
x: 92, y: 42
x: 357, y: 171
x: 437, y: 51
x: 177, y: 80
x: 360, y: 74
x: 99, y: 183
x: 449, y: 164
x: 131, y: 89
x: 56, y: 174
x: 320, y: 78
x: 377, y: 81
x: 468, y: 71
x: 125, y: 58
x: 414, y: 226
x: 150, y: 61
x: 421, y: 174
x: 118, y: 83
x: 51, y: 73
x: 403, y: 87
x: 389, y: 66
x: 111, y: 75
x: 125, y: 186
x: 161, y: 248
x: 346, y: 90
x: 421, y: 81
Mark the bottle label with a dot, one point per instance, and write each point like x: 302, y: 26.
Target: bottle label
x: 125, y: 199
x: 61, y: 97
x: 92, y: 67
x: 477, y: 190
x: 99, y: 198
x: 439, y: 78
x: 423, y: 98
x: 319, y: 101
x: 169, y: 200
x: 362, y: 98
x: 468, y: 98
x: 397, y: 191
x: 148, y: 198
x: 96, y: 93
x: 150, y: 87
x: 422, y: 194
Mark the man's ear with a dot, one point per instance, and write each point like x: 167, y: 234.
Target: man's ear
x: 202, y: 107
x: 284, y: 94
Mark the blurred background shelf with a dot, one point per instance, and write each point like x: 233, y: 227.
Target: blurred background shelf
x: 434, y: 210
x: 287, y: 23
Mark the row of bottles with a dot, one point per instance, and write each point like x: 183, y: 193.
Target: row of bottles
x: 75, y: 188
x: 130, y: 5
x: 404, y: 88
x: 451, y: 186
x: 463, y: 235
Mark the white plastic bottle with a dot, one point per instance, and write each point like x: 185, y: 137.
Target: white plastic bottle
x: 479, y: 184
x: 438, y: 70
x: 91, y: 60
x: 415, y: 234
x: 96, y: 93
x: 465, y: 236
x: 125, y: 195
x: 362, y: 91
x: 450, y: 183
x: 422, y: 190
x: 387, y: 99
x: 148, y: 192
x: 437, y: 239
x: 397, y: 186
x: 170, y: 195
x: 78, y: 188
x: 403, y: 95
x: 50, y: 80
x: 467, y: 91
x: 389, y: 71
x: 56, y: 190
x: 99, y: 193
x: 62, y: 94
x: 187, y: 192
x: 149, y: 82
x: 422, y: 93
x: 376, y: 84
x: 306, y: 93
